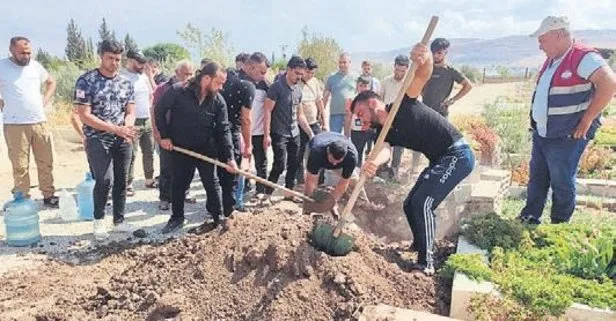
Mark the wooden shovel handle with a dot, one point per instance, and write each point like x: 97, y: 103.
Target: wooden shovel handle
x: 241, y: 172
x: 410, y: 75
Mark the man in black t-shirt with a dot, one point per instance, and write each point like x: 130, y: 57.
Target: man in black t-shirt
x: 437, y: 90
x: 238, y: 95
x: 329, y: 150
x: 420, y: 128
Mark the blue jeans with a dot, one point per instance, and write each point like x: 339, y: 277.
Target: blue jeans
x: 434, y: 184
x: 336, y: 123
x: 553, y: 163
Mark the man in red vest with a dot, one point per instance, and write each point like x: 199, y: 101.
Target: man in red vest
x: 574, y: 85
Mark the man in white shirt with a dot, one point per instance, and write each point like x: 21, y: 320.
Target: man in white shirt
x: 143, y: 102
x: 25, y: 123
x: 388, y: 90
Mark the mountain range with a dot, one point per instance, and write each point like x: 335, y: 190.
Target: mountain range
x: 517, y: 51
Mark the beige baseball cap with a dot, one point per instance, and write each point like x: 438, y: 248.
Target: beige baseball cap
x: 551, y: 23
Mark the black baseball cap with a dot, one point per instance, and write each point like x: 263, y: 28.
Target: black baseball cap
x: 137, y: 55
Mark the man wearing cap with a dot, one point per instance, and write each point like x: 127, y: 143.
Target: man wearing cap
x: 574, y: 85
x: 143, y: 126
x: 282, y: 121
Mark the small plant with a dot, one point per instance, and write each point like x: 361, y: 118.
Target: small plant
x: 490, y: 230
x: 606, y: 136
x: 469, y: 264
x: 521, y: 173
x: 485, y: 307
x: 595, y: 160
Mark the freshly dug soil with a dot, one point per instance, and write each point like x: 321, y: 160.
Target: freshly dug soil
x: 262, y: 268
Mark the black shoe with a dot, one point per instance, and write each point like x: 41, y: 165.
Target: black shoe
x: 205, y: 227
x: 164, y: 205
x: 173, y: 225
x: 51, y: 202
x: 528, y: 220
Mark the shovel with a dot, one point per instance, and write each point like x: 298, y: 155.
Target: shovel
x: 321, y: 203
x: 330, y: 239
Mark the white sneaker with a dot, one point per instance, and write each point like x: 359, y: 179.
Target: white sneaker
x: 124, y: 227
x: 100, y: 230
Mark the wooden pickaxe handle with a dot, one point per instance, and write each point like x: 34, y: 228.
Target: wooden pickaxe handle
x: 410, y: 75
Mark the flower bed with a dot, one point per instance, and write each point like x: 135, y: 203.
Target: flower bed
x: 539, y: 270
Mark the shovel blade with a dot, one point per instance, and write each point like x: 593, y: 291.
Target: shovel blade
x: 323, y: 239
x: 324, y: 202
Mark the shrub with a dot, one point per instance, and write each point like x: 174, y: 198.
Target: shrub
x: 543, y: 268
x: 473, y: 74
x: 490, y: 230
x: 606, y: 136
x: 66, y: 75
x: 595, y: 160
x: 521, y: 173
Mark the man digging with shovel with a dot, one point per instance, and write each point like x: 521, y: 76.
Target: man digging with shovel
x: 419, y: 128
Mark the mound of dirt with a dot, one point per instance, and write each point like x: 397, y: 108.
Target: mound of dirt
x: 263, y: 268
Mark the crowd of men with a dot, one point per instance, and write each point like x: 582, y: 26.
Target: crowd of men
x: 236, y: 115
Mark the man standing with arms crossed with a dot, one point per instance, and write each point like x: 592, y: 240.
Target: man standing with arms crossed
x: 574, y: 85
x: 105, y: 104
x: 340, y: 86
x: 418, y: 127
x: 25, y: 123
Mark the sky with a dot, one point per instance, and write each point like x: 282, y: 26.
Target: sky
x: 266, y: 25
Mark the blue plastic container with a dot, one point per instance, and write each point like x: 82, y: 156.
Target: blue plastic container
x: 21, y: 220
x: 85, y: 198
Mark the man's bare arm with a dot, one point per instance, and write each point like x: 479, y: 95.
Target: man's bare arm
x: 86, y: 117
x: 49, y: 91
x: 303, y: 122
x: 604, y: 81
x: 268, y: 106
x: 466, y: 87
x: 129, y: 118
x: 246, y: 120
x: 422, y: 57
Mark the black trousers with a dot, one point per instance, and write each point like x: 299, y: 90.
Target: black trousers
x: 109, y: 165
x: 316, y: 128
x: 183, y: 173
x: 361, y: 140
x: 286, y: 155
x: 260, y: 155
x: 228, y: 181
x: 166, y: 173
